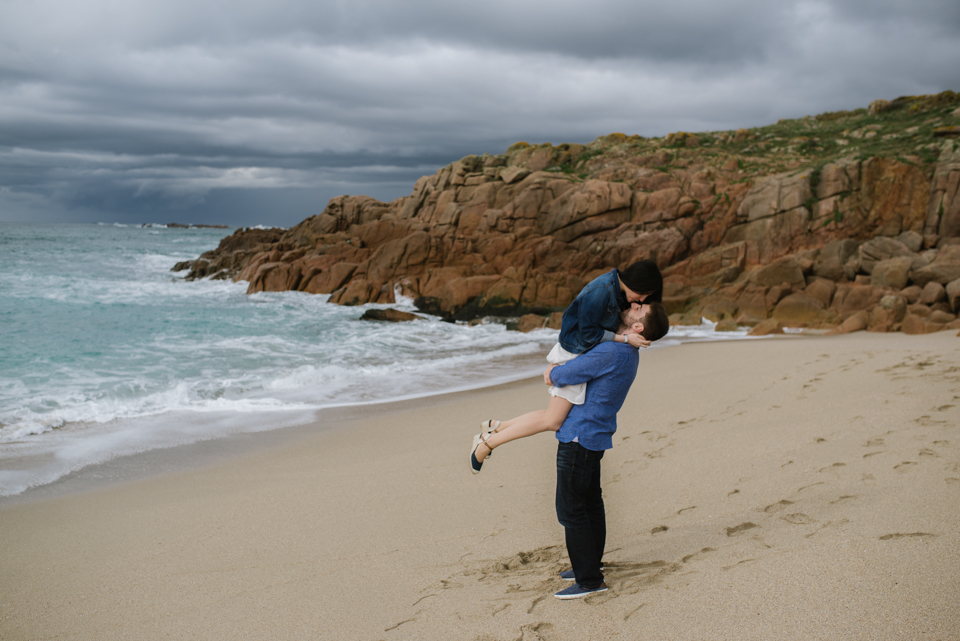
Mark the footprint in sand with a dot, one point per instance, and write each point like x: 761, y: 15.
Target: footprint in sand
x: 776, y: 507
x: 737, y: 530
x: 798, y: 518
x: 630, y: 578
x: 659, y: 529
x: 904, y: 466
x: 844, y: 499
x: 696, y: 555
x: 542, y: 631
x: 633, y: 611
x: 874, y: 442
x: 738, y: 563
x: 828, y: 525
x: 900, y: 535
x: 833, y: 468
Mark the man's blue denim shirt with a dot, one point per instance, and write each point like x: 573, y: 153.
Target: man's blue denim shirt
x: 609, y: 370
x: 594, y: 315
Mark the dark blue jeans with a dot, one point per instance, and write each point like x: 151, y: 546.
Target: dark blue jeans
x: 580, y: 510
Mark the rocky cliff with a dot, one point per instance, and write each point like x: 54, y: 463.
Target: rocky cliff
x: 842, y: 221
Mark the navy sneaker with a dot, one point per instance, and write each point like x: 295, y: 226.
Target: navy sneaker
x: 567, y: 575
x: 576, y: 592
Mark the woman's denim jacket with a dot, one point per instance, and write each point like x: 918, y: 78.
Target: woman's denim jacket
x: 594, y: 316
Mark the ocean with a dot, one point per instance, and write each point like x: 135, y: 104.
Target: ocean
x: 104, y: 352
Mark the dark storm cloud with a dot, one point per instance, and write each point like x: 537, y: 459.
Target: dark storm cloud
x: 258, y: 113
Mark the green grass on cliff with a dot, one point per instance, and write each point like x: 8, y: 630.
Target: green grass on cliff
x: 902, y: 129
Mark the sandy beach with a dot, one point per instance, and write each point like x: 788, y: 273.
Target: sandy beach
x: 791, y: 488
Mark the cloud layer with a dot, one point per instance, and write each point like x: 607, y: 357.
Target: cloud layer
x: 250, y: 113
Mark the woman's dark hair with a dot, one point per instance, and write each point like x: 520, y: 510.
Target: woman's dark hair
x: 644, y: 276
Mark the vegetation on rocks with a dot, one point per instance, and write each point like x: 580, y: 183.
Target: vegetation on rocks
x: 811, y: 222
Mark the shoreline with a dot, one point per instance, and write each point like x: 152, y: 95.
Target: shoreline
x: 785, y: 488
x: 238, y: 440
x: 217, y: 450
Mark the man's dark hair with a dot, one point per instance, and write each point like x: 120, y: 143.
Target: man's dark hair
x: 655, y: 323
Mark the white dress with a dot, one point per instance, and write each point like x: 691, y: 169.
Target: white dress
x: 576, y: 394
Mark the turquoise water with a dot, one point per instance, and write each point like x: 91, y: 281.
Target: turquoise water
x: 104, y: 351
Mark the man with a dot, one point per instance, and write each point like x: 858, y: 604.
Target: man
x: 587, y: 432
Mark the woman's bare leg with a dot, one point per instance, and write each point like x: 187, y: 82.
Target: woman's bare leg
x: 527, y: 424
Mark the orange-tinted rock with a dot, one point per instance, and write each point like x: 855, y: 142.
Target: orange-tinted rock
x: 591, y: 207
x: 530, y: 322
x: 358, y: 292
x: 767, y: 327
x: 748, y: 320
x: 776, y: 294
x: 932, y: 293
x: 726, y: 325
x: 912, y: 293
x: 944, y: 269
x: 852, y: 299
x: 833, y: 257
x: 799, y: 309
x: 881, y: 320
x: 822, y: 290
x: 912, y: 324
x: 953, y: 295
x: 880, y: 249
x: 896, y: 305
x: 941, y: 317
x: 460, y: 291
x: 894, y: 196
x: 892, y: 273
x: 784, y: 270
x: 719, y: 308
x: 837, y: 178
x: 854, y: 323
x: 692, y: 320
x: 497, y: 234
x: 752, y: 301
x: 389, y: 315
x: 331, y: 279
x: 274, y: 277
x: 944, y: 208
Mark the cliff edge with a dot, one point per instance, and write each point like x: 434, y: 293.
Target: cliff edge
x: 842, y: 221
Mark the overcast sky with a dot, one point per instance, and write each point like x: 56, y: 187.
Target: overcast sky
x: 248, y: 112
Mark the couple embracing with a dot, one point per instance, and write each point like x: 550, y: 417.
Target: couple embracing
x: 591, y: 370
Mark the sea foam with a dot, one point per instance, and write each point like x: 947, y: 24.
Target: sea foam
x: 104, y: 352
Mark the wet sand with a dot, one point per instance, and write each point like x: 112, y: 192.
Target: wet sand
x: 793, y: 488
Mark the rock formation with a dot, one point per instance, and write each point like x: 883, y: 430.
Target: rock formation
x: 843, y: 221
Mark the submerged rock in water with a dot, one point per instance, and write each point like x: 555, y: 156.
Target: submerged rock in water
x: 389, y: 315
